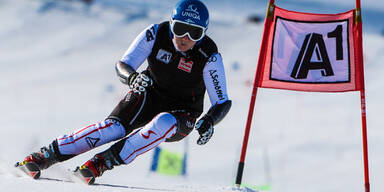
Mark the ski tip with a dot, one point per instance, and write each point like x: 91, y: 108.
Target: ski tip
x: 17, y: 164
x: 20, y: 163
x: 76, y: 169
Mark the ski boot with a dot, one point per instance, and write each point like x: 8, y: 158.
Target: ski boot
x: 35, y: 162
x: 96, y: 166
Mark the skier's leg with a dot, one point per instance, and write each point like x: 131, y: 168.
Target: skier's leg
x: 125, y: 117
x: 81, y: 140
x: 131, y: 112
x: 87, y: 138
x: 163, y: 126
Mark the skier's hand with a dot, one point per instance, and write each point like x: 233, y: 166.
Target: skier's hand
x: 139, y: 82
x: 205, y: 128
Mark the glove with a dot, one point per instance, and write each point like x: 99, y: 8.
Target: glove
x: 139, y: 82
x: 205, y: 128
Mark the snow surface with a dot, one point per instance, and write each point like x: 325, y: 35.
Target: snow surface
x: 57, y: 75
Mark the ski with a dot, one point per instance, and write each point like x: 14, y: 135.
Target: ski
x: 29, y: 168
x: 84, y: 175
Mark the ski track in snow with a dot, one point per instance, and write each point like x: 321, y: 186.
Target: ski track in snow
x: 60, y: 179
x: 14, y: 175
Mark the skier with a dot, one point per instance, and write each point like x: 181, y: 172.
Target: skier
x: 163, y: 102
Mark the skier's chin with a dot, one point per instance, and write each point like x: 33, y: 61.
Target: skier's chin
x: 183, y: 48
x: 183, y: 45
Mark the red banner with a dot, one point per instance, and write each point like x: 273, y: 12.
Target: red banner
x: 311, y: 52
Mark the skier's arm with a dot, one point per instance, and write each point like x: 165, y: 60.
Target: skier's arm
x: 214, y: 79
x: 135, y: 56
x: 140, y: 48
x: 124, y: 71
x: 215, y: 82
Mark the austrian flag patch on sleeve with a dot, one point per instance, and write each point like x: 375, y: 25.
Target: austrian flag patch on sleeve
x: 185, y: 65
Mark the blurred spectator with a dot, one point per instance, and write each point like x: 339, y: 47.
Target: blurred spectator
x: 89, y: 2
x: 254, y: 19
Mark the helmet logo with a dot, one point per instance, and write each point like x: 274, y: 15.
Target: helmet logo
x: 189, y: 21
x: 191, y: 11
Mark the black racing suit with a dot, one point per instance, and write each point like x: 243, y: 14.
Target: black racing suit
x: 178, y: 85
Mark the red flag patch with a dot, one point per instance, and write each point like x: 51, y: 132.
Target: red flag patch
x: 185, y: 65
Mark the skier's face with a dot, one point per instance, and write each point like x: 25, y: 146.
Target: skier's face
x: 183, y: 43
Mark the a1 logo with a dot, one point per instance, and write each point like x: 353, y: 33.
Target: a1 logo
x: 164, y: 56
x: 314, y: 45
x: 311, y: 52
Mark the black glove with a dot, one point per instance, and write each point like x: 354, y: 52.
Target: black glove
x: 205, y: 128
x: 139, y: 82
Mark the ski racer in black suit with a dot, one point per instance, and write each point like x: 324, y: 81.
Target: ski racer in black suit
x: 164, y: 100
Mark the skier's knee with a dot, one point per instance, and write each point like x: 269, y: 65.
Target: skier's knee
x: 117, y: 122
x: 160, y: 128
x: 165, y: 124
x: 164, y: 119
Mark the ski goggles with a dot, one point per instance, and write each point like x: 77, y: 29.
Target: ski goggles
x: 180, y: 29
